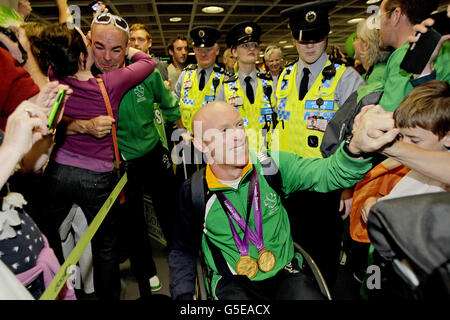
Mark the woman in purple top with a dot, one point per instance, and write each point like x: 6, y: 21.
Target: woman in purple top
x: 81, y: 168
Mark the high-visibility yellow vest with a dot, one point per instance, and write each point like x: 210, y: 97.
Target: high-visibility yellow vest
x: 257, y: 115
x: 292, y: 133
x: 192, y: 99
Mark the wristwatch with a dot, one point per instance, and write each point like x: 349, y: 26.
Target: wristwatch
x: 347, y: 150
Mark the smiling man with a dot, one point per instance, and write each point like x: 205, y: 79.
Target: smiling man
x: 262, y: 265
x: 146, y: 160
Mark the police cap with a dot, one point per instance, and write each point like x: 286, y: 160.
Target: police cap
x: 204, y: 36
x: 242, y: 33
x: 309, y: 21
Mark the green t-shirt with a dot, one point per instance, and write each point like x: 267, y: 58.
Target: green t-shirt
x: 396, y: 82
x: 137, y: 134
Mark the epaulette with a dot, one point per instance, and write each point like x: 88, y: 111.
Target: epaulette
x: 290, y: 63
x: 287, y: 67
x: 191, y: 67
x: 219, y: 69
x: 230, y: 78
x: 264, y: 75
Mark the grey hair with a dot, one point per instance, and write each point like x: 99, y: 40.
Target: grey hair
x: 375, y: 53
x: 270, y: 50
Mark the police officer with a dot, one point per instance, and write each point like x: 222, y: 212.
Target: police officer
x: 311, y: 89
x: 198, y: 83
x: 196, y: 87
x: 309, y: 92
x: 249, y: 91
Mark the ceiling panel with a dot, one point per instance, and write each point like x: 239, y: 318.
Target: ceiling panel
x: 155, y: 15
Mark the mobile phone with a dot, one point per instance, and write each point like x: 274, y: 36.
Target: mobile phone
x: 55, y: 108
x: 441, y: 22
x: 94, y: 5
x: 419, y: 53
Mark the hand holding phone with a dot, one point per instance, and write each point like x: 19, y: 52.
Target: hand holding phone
x: 419, y: 53
x: 55, y: 108
x: 430, y: 34
x: 441, y: 22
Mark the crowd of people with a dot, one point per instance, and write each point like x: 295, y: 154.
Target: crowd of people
x: 238, y: 174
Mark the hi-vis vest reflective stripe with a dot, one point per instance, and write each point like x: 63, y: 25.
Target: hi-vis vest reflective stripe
x: 192, y: 99
x: 293, y: 114
x: 255, y: 115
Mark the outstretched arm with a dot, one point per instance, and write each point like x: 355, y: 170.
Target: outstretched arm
x: 433, y: 164
x: 26, y: 125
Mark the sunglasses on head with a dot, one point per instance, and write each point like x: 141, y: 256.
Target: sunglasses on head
x: 105, y: 18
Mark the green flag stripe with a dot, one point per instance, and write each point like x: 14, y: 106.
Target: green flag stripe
x: 59, y: 280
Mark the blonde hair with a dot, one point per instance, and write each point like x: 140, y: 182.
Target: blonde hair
x: 374, y: 53
x: 140, y: 26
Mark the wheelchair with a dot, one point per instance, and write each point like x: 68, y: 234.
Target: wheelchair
x: 201, y: 278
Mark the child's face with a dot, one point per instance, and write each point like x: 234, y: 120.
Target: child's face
x: 425, y: 139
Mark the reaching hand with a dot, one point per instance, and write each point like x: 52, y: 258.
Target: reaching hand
x: 346, y: 202
x: 24, y: 8
x: 47, y: 95
x: 168, y: 82
x: 101, y: 9
x: 368, y: 204
x: 373, y: 130
x: 100, y: 126
x: 26, y: 125
x: 423, y: 28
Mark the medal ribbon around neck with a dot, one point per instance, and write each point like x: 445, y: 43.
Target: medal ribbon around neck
x: 255, y: 237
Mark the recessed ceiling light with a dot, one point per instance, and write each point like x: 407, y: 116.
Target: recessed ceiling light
x: 288, y: 46
x: 355, y: 20
x: 212, y: 9
x: 282, y: 42
x: 372, y: 1
x: 175, y: 19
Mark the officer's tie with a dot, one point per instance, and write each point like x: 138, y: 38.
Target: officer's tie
x: 304, y: 84
x: 202, y: 80
x: 249, y: 90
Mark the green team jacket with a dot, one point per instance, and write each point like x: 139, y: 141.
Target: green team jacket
x: 322, y: 175
x: 137, y: 134
x: 374, y: 82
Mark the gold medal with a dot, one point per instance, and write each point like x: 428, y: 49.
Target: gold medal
x: 266, y: 260
x: 246, y: 266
